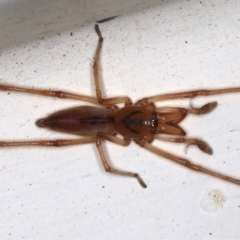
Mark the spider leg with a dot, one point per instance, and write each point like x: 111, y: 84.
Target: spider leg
x: 108, y: 168
x: 49, y: 93
x: 103, y: 101
x: 187, y: 94
x: 186, y: 163
x: 49, y: 143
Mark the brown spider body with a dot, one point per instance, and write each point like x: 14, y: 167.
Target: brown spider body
x: 133, y: 122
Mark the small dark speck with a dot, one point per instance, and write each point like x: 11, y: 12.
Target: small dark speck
x: 185, y: 41
x: 59, y: 34
x: 71, y: 34
x: 210, y: 233
x: 103, y: 186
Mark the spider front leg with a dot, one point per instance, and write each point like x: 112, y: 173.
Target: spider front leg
x: 188, y: 94
x: 186, y: 163
x: 103, y: 101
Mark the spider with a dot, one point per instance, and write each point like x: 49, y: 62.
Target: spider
x: 141, y: 122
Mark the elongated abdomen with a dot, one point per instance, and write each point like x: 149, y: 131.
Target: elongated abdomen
x: 84, y: 121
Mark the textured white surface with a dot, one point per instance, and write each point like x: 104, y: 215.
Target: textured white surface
x: 65, y: 193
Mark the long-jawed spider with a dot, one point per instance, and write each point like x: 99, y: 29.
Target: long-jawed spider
x: 141, y: 122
